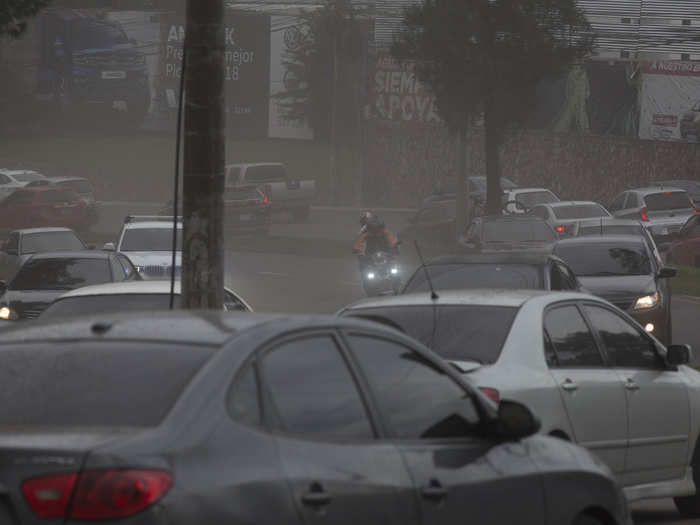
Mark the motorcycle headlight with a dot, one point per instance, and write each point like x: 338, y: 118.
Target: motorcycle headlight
x: 646, y: 302
x: 394, y: 271
x: 370, y: 276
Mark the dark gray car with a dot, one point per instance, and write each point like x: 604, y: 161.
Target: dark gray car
x: 20, y: 245
x: 182, y: 418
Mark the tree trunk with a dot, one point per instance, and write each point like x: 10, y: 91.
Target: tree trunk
x: 204, y: 157
x: 492, y: 143
x: 462, y: 187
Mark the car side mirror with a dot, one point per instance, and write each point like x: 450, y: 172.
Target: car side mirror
x: 667, y: 273
x: 516, y: 421
x: 109, y: 246
x: 677, y: 355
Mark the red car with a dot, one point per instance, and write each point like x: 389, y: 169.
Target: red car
x: 686, y: 249
x: 45, y: 206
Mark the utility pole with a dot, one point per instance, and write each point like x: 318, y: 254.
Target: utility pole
x: 333, y: 175
x: 204, y: 157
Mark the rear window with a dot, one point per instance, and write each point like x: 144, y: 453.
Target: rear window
x: 467, y: 276
x: 244, y: 193
x: 518, y: 231
x: 113, y: 303
x: 265, y: 173
x: 94, y: 384
x: 533, y: 198
x: 604, y: 260
x: 461, y: 333
x: 150, y: 240
x: 61, y: 274
x: 58, y: 196
x: 628, y: 229
x: 669, y: 200
x: 51, y: 242
x: 579, y: 211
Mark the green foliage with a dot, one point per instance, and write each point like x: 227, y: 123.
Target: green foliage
x: 14, y: 15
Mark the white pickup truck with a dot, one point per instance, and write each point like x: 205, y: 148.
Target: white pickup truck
x: 293, y: 196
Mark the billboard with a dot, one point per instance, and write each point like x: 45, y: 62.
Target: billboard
x: 670, y: 101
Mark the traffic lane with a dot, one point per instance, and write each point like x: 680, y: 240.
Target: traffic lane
x: 685, y: 313
x: 659, y: 512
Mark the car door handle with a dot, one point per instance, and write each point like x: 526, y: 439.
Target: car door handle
x: 569, y: 385
x: 316, y: 497
x: 631, y: 385
x: 434, y: 491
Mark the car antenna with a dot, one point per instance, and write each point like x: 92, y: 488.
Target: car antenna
x: 176, y: 191
x: 433, y: 295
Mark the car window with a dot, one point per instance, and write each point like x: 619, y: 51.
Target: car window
x: 618, y: 203
x: 570, y: 280
x: 667, y: 200
x: 150, y: 240
x: 606, y: 259
x: 311, y: 391
x: 580, y: 211
x: 417, y: 399
x: 51, y: 241
x: 561, y: 279
x: 533, y: 198
x: 625, y: 344
x: 265, y: 173
x: 12, y: 242
x: 128, y: 269
x: 232, y: 303
x: 477, y: 275
x: 243, y: 402
x: 541, y: 212
x: 571, y: 339
x: 58, y: 196
x: 20, y: 197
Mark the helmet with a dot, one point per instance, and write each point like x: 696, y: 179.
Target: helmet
x: 375, y: 225
x: 364, y: 217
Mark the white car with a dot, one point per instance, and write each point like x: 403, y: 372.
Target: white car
x: 522, y: 200
x: 11, y: 180
x: 148, y: 241
x: 587, y: 369
x: 128, y: 296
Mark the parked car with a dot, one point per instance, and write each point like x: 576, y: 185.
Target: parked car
x: 433, y: 226
x: 261, y: 419
x: 147, y: 240
x: 517, y: 270
x: 507, y: 233
x: 691, y: 186
x: 690, y: 123
x: 11, y: 180
x: 246, y: 210
x: 81, y: 186
x: 47, y: 276
x: 563, y: 215
x: 686, y: 249
x: 22, y: 244
x: 476, y: 187
x: 522, y: 200
x: 45, y: 206
x: 590, y: 371
x: 286, y: 194
x: 622, y: 269
x: 664, y: 212
x: 128, y: 296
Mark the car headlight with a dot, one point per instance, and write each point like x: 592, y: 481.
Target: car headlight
x: 394, y: 271
x: 370, y: 276
x: 646, y: 302
x: 5, y: 313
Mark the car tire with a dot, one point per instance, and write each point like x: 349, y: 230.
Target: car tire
x: 587, y: 519
x: 689, y: 506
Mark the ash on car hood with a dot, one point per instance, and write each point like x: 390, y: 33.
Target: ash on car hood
x: 156, y: 258
x: 616, y: 287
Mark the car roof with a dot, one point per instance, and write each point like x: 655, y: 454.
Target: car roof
x: 601, y: 239
x: 510, y: 218
x: 562, y: 204
x: 528, y: 190
x: 85, y: 254
x: 656, y: 189
x: 26, y: 231
x: 482, y: 297
x: 151, y: 225
x: 515, y: 257
x: 67, y: 179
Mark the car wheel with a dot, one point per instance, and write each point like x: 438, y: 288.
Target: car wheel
x: 587, y: 519
x: 689, y: 506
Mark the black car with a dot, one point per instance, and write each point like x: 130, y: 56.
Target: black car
x: 516, y: 270
x: 507, y: 232
x: 182, y: 418
x: 623, y: 270
x: 47, y: 276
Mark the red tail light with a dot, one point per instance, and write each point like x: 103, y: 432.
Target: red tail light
x: 266, y: 199
x: 493, y: 394
x: 97, y: 494
x: 643, y: 214
x: 560, y: 229
x: 695, y: 210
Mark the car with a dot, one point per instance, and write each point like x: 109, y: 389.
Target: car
x: 691, y: 186
x: 246, y: 210
x: 47, y: 276
x: 686, y: 249
x: 690, y: 123
x: 147, y: 240
x: 286, y: 194
x: 623, y: 270
x: 169, y: 417
x: 81, y: 186
x: 522, y: 200
x: 517, y: 270
x: 590, y: 371
x: 433, y: 226
x: 563, y: 215
x: 663, y: 211
x: 506, y: 233
x: 45, y: 206
x: 22, y: 244
x: 128, y: 296
x: 11, y: 180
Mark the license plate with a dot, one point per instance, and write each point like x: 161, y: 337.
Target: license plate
x: 245, y: 218
x: 114, y: 75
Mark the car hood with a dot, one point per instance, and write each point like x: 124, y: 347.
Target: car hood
x: 153, y: 258
x: 36, y: 301
x: 614, y: 288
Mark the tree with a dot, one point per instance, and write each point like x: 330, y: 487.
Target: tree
x: 14, y: 15
x: 485, y: 58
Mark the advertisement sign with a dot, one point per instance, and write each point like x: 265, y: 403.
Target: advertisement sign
x: 287, y: 35
x: 247, y: 70
x: 670, y: 101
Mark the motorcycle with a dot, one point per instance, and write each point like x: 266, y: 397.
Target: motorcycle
x: 381, y: 275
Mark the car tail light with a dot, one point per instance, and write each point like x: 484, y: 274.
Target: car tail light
x: 643, y: 214
x: 695, y: 210
x: 266, y: 199
x: 560, y: 229
x: 493, y: 394
x: 96, y: 494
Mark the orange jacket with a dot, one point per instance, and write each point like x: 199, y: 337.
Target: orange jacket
x: 361, y: 243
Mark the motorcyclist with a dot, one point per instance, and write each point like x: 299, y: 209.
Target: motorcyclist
x: 364, y: 218
x: 376, y: 238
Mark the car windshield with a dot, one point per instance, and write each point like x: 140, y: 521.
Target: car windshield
x: 266, y: 173
x: 243, y: 193
x: 95, y: 384
x: 65, y: 273
x: 87, y: 35
x: 149, y: 240
x: 579, y: 211
x: 461, y: 333
x: 606, y: 259
x: 27, y: 176
x: 517, y: 231
x: 109, y: 303
x: 533, y: 198
x: 668, y: 200
x: 466, y: 276
x: 51, y: 242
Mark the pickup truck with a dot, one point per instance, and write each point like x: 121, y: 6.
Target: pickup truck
x: 293, y: 196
